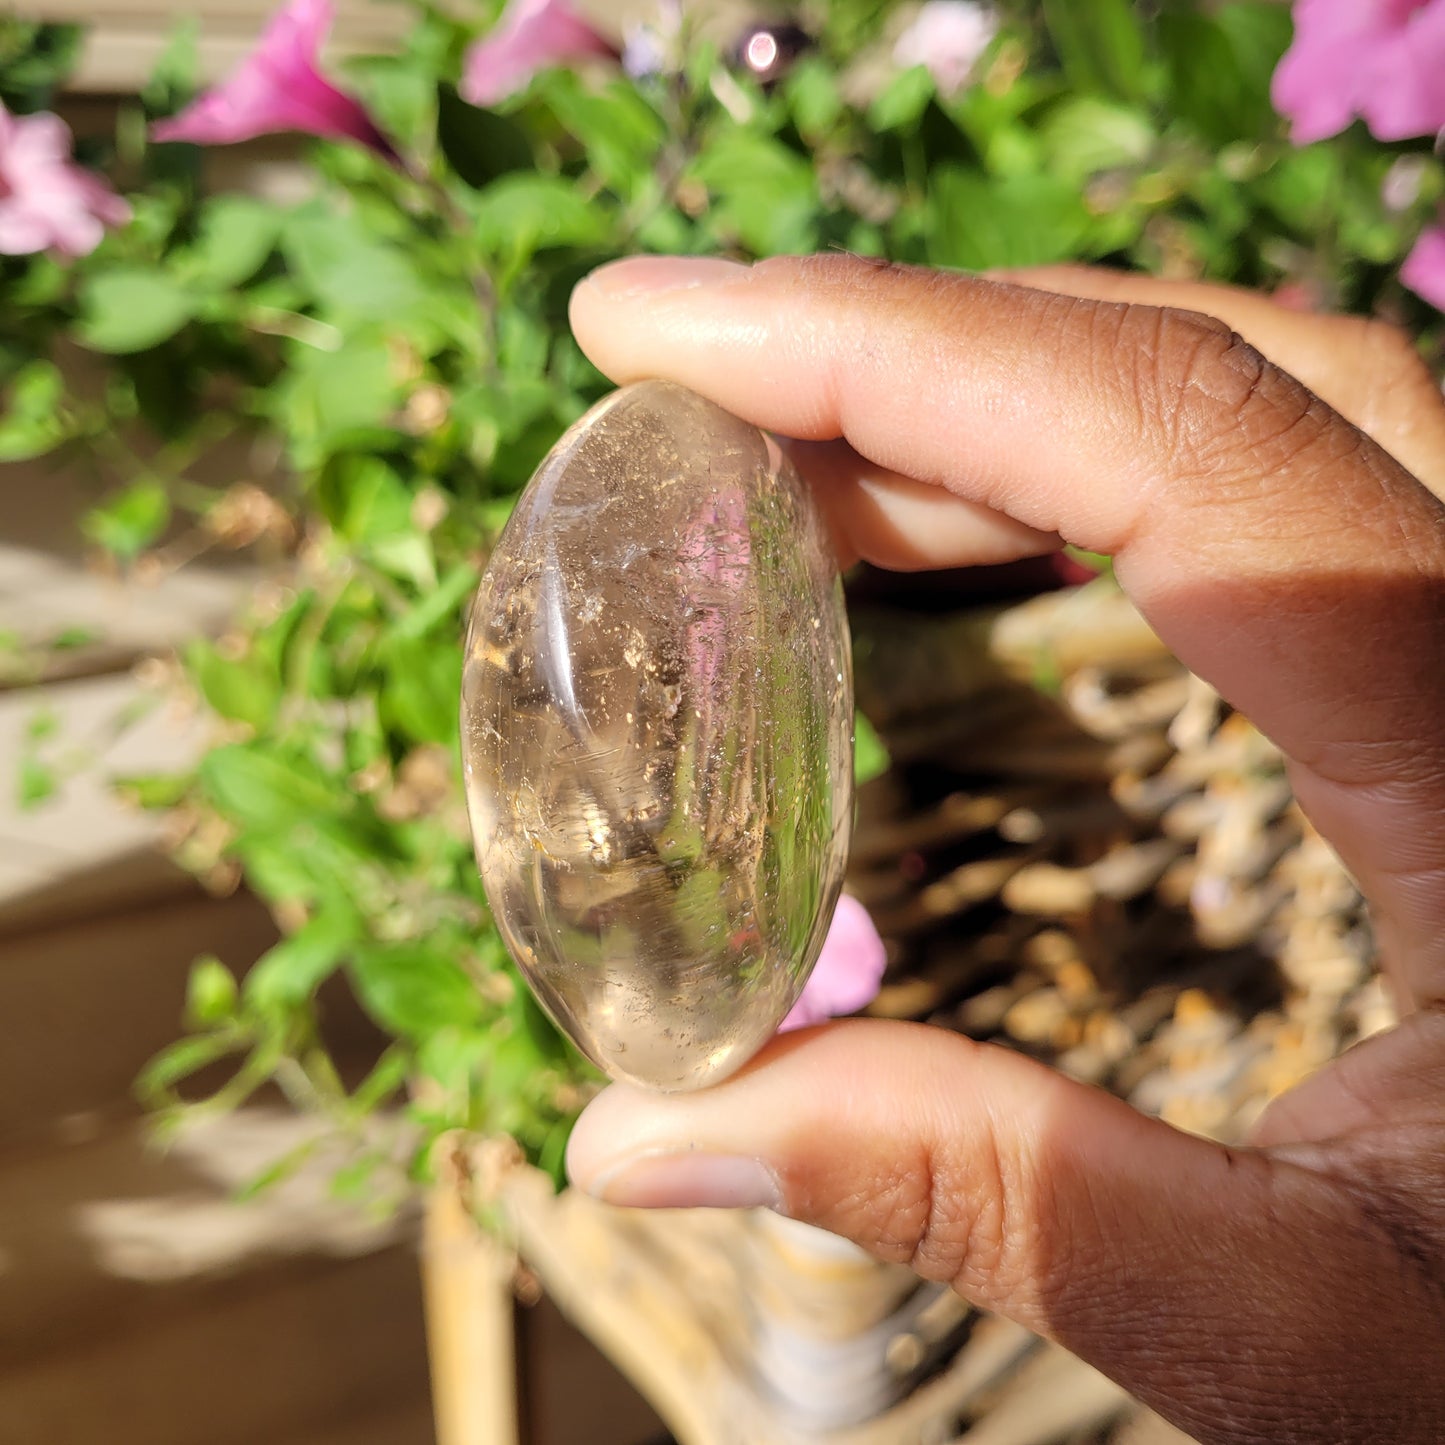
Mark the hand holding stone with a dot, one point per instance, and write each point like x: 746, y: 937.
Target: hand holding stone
x: 1268, y: 505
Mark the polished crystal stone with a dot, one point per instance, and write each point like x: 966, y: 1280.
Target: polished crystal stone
x: 657, y: 727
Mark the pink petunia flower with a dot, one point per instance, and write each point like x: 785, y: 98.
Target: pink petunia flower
x: 1424, y: 268
x: 848, y: 972
x: 531, y: 35
x: 1382, y: 60
x: 47, y: 202
x: 278, y: 87
x: 950, y: 38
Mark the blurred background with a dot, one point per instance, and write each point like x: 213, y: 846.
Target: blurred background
x: 282, y: 333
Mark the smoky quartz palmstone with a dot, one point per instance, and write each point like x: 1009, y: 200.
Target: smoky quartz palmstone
x: 657, y: 726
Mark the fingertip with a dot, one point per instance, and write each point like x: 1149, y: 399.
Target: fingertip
x: 600, y: 1136
x: 607, y: 302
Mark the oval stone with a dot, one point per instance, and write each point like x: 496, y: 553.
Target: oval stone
x: 657, y: 721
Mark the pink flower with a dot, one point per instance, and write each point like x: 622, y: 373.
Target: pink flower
x: 531, y: 35
x: 848, y: 972
x: 47, y: 202
x: 1424, y: 268
x: 950, y: 38
x: 1383, y: 60
x: 279, y: 88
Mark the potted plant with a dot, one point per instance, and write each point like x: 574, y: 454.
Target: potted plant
x: 390, y: 353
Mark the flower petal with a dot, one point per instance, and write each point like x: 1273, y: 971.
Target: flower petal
x: 950, y: 38
x: 278, y: 87
x: 1405, y: 95
x: 848, y: 972
x: 1380, y: 59
x: 1424, y: 268
x: 47, y: 202
x: 531, y: 35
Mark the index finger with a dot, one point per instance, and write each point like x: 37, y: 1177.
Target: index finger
x: 1280, y: 552
x: 1365, y: 369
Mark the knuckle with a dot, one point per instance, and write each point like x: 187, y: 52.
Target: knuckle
x: 978, y: 1218
x: 1225, y: 418
x: 938, y: 1216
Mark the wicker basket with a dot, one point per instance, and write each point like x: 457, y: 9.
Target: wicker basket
x: 1079, y: 852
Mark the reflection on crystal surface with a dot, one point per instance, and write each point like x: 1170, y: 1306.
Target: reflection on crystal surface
x: 657, y: 726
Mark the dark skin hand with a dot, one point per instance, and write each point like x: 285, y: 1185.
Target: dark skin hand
x: 1269, y: 486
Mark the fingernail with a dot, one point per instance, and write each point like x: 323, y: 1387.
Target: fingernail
x: 688, y: 1181
x: 649, y: 275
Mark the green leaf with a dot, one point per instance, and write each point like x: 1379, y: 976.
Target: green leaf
x: 237, y: 234
x: 153, y: 790
x: 43, y: 282
x: 479, y: 144
x: 174, y: 78
x: 764, y: 194
x: 441, y: 604
x: 364, y: 498
x: 355, y: 1181
x: 1303, y: 188
x: 258, y: 789
x: 519, y: 215
x: 621, y: 131
x: 291, y: 972
x: 1259, y: 33
x: 1219, y: 68
x: 387, y: 1077
x: 128, y: 523
x: 901, y: 103
x: 1100, y: 44
x: 450, y: 1056
x: 72, y: 639
x: 180, y: 1061
x: 211, y: 993
x: 37, y: 782
x: 1086, y: 134
x: 814, y: 97
x: 132, y: 309
x: 278, y: 871
x: 329, y: 395
x: 278, y: 1170
x: 1024, y: 220
x: 41, y: 725
x: 414, y: 988
x: 32, y: 424
x: 870, y: 756
x: 347, y: 269
x: 242, y: 688
x: 35, y: 60
x: 407, y: 555
x: 399, y: 90
x: 423, y: 686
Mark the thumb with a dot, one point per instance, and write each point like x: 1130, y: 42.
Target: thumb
x: 1180, y: 1267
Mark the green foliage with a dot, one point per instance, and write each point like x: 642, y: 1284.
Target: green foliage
x: 34, y: 61
x: 396, y: 347
x: 870, y: 754
x: 134, y: 308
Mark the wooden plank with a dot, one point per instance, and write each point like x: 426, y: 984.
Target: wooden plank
x: 467, y: 1278
x: 82, y: 848
x: 266, y: 1364
x: 110, y: 1232
x: 86, y: 1005
x: 409, y: 1423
